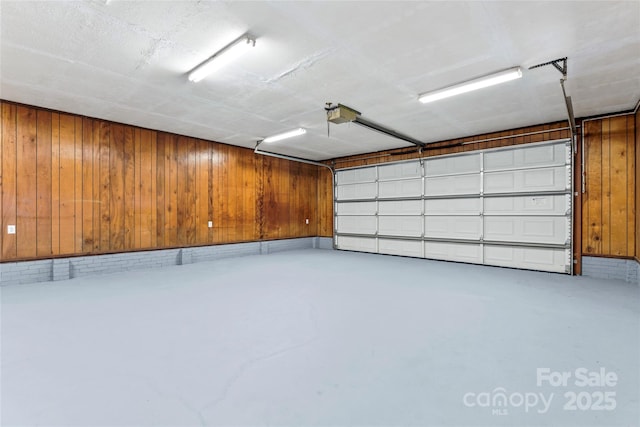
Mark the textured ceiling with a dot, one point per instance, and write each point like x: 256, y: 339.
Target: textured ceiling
x: 127, y: 61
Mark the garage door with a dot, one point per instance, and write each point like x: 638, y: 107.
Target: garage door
x: 508, y: 207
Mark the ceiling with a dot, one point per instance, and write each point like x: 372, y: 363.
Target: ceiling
x: 127, y: 61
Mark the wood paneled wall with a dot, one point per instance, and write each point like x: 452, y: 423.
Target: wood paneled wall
x: 609, y: 204
x: 75, y: 185
x: 325, y: 203
x: 637, y: 146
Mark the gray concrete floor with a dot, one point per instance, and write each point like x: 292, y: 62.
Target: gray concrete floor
x: 325, y: 338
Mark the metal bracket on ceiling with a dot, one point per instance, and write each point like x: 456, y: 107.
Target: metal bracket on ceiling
x: 556, y: 64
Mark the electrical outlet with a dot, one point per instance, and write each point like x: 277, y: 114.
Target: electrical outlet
x: 11, y: 229
x: 210, y: 224
x: 306, y: 221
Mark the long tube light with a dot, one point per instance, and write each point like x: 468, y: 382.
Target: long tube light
x: 285, y: 135
x: 471, y: 85
x: 221, y: 58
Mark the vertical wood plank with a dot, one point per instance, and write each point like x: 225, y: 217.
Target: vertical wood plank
x: 585, y: 224
x: 198, y: 218
x: 325, y: 193
x: 218, y: 190
x: 605, y: 198
x: 190, y: 193
x: 577, y: 206
x: 88, y: 237
x: 210, y: 191
x: 101, y: 186
x: 311, y: 207
x: 26, y: 224
x: 619, y: 220
x: 78, y: 204
x: 202, y: 197
x: 160, y: 190
x: 182, y: 207
x: 68, y: 184
x: 129, y: 194
x: 269, y: 201
x: 171, y: 191
x: 147, y: 195
x: 229, y: 211
x: 43, y: 183
x: 137, y: 208
x: 153, y: 158
x: 631, y: 186
x: 116, y: 188
x: 259, y: 197
x: 246, y: 189
x: 56, y: 198
x: 9, y: 176
x: 592, y: 238
x: 295, y: 182
x: 283, y: 216
x: 236, y: 198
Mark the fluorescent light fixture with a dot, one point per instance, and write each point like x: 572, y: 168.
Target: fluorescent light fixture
x: 479, y: 83
x: 227, y: 54
x: 285, y: 135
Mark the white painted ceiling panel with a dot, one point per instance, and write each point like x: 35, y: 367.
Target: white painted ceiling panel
x: 127, y: 61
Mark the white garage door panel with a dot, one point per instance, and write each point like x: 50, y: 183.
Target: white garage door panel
x: 544, y: 259
x: 400, y: 226
x: 403, y: 188
x: 466, y: 206
x: 357, y: 191
x: 360, y: 244
x: 526, y: 229
x: 509, y: 207
x: 358, y: 208
x: 453, y: 227
x: 531, y: 180
x: 453, y: 185
x: 540, y: 156
x: 462, y: 252
x: 528, y: 205
x: 400, y: 247
x: 356, y: 224
x: 400, y: 207
x: 466, y: 163
x: 400, y: 171
x: 353, y: 176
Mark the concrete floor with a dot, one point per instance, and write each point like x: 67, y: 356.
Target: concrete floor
x: 321, y: 338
